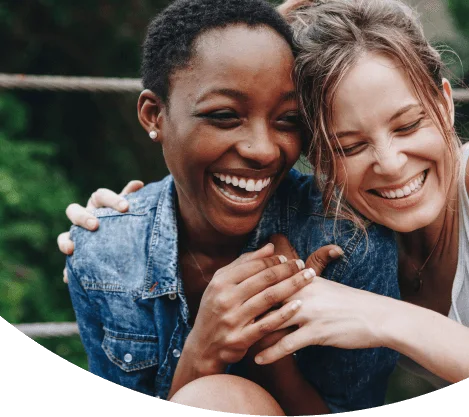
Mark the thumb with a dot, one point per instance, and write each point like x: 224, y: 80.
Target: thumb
x: 320, y: 258
x: 283, y: 246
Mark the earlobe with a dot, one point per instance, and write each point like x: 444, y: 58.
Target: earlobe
x: 448, y: 93
x: 150, y: 109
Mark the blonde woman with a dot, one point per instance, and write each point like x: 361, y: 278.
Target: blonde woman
x: 384, y: 149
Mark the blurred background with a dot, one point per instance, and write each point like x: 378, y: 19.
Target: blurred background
x: 58, y: 147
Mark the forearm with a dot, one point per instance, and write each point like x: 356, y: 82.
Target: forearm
x: 436, y: 342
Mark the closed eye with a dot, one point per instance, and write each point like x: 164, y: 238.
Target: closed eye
x: 354, y: 149
x: 409, y: 128
x: 225, y: 119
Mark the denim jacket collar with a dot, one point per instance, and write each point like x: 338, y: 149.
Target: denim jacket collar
x: 162, y: 272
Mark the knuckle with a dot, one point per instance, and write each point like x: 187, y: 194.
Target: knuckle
x: 318, y: 260
x: 270, y: 276
x: 270, y: 297
x: 286, y: 345
x: 265, y: 328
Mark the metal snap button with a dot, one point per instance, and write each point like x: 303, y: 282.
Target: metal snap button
x: 172, y: 296
x: 128, y: 358
x: 176, y: 353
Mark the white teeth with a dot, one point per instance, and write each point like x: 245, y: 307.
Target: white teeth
x: 259, y: 185
x: 249, y: 184
x: 236, y: 198
x: 408, y: 189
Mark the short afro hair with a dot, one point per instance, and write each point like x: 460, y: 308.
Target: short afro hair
x: 171, y: 34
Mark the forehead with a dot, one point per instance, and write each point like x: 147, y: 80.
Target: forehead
x: 376, y: 85
x: 239, y: 55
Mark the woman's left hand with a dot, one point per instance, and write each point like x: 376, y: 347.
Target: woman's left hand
x: 332, y: 314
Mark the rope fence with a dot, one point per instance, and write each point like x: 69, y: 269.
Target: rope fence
x: 103, y: 85
x: 47, y: 330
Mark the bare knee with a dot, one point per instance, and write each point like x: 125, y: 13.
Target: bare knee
x: 228, y: 393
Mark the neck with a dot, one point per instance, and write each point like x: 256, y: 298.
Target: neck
x: 200, y: 237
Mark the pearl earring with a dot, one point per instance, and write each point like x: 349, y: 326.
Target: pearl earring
x: 153, y: 135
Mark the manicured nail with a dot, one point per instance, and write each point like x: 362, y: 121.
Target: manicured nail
x: 282, y: 258
x: 296, y: 305
x: 269, y: 244
x: 336, y: 253
x: 123, y: 205
x: 300, y: 264
x: 259, y: 360
x: 91, y: 223
x: 309, y: 274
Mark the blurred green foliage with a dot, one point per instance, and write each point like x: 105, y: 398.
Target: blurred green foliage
x: 56, y: 147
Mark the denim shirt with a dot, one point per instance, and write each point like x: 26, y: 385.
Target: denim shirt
x: 128, y: 296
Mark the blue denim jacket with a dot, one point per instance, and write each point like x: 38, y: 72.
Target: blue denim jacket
x: 129, y: 301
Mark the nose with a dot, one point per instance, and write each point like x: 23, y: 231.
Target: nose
x: 260, y: 146
x: 389, y: 160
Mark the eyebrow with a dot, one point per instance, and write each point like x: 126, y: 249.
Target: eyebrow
x: 239, y: 95
x: 403, y: 110
x: 395, y: 116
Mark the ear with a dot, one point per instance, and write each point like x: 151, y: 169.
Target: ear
x: 150, y: 110
x: 448, y: 93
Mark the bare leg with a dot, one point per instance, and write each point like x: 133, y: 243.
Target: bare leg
x: 230, y: 394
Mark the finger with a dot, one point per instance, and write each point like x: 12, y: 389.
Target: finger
x: 107, y: 198
x: 272, y: 322
x: 65, y: 276
x: 79, y: 216
x: 131, y: 187
x: 320, y: 258
x: 276, y: 294
x: 64, y: 243
x: 268, y: 277
x: 283, y: 246
x: 247, y: 270
x: 285, y: 346
x: 264, y: 252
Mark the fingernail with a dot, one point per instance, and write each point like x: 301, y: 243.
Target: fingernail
x: 296, y: 305
x: 282, y: 258
x: 336, y: 253
x: 259, y: 360
x: 300, y: 264
x: 269, y: 244
x: 91, y: 223
x: 309, y: 274
x: 123, y: 205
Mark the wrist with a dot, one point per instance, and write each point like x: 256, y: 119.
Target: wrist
x: 200, y: 363
x: 392, y: 318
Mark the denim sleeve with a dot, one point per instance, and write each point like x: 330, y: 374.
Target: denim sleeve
x: 357, y: 378
x: 89, y: 323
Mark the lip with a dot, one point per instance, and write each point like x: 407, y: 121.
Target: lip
x: 404, y: 202
x: 239, y: 206
x: 397, y: 186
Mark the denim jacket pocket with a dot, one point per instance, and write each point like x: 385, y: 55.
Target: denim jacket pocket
x: 130, y: 352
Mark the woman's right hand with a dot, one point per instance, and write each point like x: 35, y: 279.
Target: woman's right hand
x: 81, y: 216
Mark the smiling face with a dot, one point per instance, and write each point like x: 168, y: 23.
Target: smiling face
x: 396, y: 164
x: 230, y: 132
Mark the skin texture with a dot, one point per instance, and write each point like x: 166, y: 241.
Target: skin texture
x: 383, y: 151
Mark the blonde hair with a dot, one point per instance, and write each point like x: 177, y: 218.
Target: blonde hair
x: 331, y: 36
